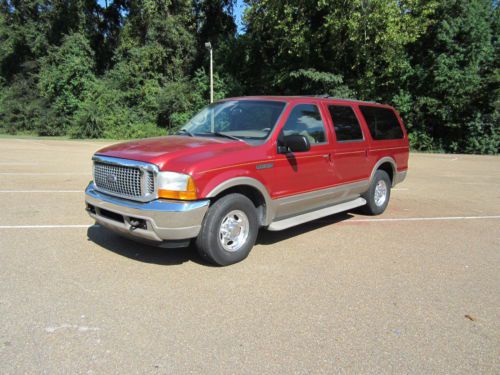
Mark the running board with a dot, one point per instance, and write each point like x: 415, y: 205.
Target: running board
x: 304, y: 218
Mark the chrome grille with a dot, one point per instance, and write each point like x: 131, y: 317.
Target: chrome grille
x: 150, y: 182
x: 118, y: 179
x: 125, y: 178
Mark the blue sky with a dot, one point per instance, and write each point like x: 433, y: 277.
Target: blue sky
x: 239, y: 8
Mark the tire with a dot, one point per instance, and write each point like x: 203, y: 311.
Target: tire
x: 375, y: 204
x: 228, y: 231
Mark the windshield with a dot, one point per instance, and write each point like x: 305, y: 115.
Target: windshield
x: 242, y: 119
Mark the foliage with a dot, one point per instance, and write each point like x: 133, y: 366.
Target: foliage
x: 129, y: 69
x: 362, y: 42
x: 179, y: 101
x: 483, y: 136
x: 454, y: 77
x: 64, y: 80
x: 21, y: 109
x: 310, y: 81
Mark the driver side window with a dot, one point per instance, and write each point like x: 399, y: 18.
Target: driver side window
x: 305, y: 120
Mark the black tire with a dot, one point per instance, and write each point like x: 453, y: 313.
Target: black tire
x: 371, y: 207
x: 209, y: 243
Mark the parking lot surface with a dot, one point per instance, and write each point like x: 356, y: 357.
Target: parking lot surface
x: 413, y: 291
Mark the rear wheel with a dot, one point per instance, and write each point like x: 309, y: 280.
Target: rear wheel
x: 377, y: 197
x: 228, y: 231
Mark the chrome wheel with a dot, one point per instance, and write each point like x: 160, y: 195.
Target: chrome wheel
x: 380, y: 193
x: 234, y: 230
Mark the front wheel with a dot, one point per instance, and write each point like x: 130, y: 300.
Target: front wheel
x: 228, y: 231
x: 377, y: 197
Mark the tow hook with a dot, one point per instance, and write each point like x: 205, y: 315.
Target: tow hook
x: 137, y: 223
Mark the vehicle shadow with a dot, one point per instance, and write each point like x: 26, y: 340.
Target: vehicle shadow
x: 162, y: 256
x: 142, y: 252
x: 267, y: 237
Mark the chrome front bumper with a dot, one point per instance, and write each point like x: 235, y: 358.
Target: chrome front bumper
x: 162, y: 220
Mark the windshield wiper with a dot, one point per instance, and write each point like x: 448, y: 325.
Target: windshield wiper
x: 226, y: 136
x: 184, y: 131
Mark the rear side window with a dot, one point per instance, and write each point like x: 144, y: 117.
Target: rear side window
x: 382, y: 123
x: 305, y: 120
x: 345, y: 123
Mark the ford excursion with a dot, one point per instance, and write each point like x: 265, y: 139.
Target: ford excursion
x: 246, y: 164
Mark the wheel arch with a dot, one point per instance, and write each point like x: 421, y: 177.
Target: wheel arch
x: 252, y: 189
x: 387, y: 164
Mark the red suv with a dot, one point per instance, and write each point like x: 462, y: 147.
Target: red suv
x: 247, y: 163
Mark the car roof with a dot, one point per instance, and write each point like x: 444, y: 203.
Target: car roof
x: 290, y: 99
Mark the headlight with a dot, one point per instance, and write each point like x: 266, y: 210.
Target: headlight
x: 172, y: 185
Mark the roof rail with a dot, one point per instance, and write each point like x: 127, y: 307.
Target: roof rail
x: 326, y: 96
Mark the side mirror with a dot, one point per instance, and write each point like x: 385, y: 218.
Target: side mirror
x: 293, y: 143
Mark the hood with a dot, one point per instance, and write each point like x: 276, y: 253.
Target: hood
x: 162, y: 151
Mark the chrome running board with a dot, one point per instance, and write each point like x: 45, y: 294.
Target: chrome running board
x: 309, y: 216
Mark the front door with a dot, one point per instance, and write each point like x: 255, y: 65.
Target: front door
x: 299, y: 175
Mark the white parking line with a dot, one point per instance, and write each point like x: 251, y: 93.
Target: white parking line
x: 493, y: 217
x: 44, y: 226
x: 43, y: 174
x: 425, y: 218
x: 40, y: 191
x: 16, y: 163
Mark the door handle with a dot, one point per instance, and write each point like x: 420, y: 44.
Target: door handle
x: 327, y: 156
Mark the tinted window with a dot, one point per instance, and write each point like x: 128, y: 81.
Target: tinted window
x: 382, y: 122
x: 345, y: 123
x: 305, y: 119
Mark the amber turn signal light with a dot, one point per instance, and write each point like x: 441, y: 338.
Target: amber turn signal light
x: 188, y: 194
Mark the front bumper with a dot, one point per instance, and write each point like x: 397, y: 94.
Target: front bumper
x: 161, y: 220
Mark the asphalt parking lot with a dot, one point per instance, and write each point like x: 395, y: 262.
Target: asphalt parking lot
x: 414, y: 291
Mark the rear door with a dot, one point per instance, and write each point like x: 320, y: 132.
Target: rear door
x: 350, y: 145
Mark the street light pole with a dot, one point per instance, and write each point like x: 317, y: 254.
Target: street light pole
x: 209, y: 46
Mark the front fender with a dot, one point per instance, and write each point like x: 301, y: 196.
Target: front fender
x: 224, y: 181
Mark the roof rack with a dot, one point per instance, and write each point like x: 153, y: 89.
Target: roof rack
x: 326, y: 96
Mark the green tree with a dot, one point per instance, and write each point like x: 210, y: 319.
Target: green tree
x: 360, y: 43
x: 154, y: 56
x: 123, y: 68
x: 215, y: 24
x: 455, y: 75
x: 160, y: 34
x: 66, y: 74
x: 214, y: 20
x: 28, y: 30
x: 180, y: 100
x: 21, y: 108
